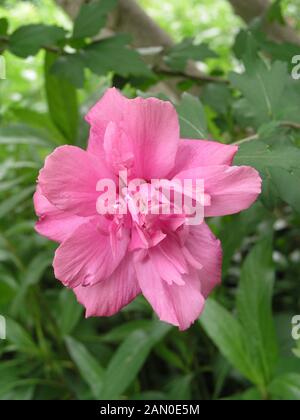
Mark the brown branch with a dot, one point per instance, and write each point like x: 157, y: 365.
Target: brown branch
x: 198, y: 78
x: 290, y: 124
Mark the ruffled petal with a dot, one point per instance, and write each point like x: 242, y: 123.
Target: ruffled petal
x: 175, y: 304
x: 231, y: 188
x: 150, y: 125
x: 195, y: 153
x: 203, y: 251
x: 69, y: 179
x: 54, y: 224
x: 110, y: 295
x: 90, y: 254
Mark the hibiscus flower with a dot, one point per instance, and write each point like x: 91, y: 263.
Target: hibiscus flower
x: 109, y: 259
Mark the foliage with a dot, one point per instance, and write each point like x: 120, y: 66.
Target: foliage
x: 241, y: 348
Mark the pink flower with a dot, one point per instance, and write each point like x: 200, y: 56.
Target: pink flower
x: 110, y: 259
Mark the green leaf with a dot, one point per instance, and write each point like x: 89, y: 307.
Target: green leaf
x: 270, y: 161
x: 218, y: 97
x: 3, y: 26
x: 169, y: 356
x: 150, y: 396
x: 296, y: 352
x: 120, y: 332
x: 188, y: 49
x: 32, y: 275
x: 287, y: 185
x: 261, y: 155
x: 192, y: 118
x: 129, y: 359
x: 62, y: 102
x: 92, y: 17
x: 9, y: 376
x: 269, y: 82
x: 20, y: 338
x: 229, y: 336
x: 107, y: 54
x: 70, y: 68
x: 70, y: 312
x: 28, y: 40
x: 275, y: 13
x: 40, y: 121
x: 180, y: 388
x: 254, y: 303
x: 286, y: 387
x: 12, y: 202
x: 19, y: 393
x: 251, y: 394
x: 242, y: 224
x: 8, y: 185
x: 36, y: 268
x: 90, y: 370
x: 246, y: 46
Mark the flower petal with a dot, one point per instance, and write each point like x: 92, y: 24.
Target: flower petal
x: 151, y: 126
x: 88, y: 255
x: 53, y: 223
x: 110, y: 295
x: 231, y: 188
x: 69, y: 179
x: 204, y: 248
x: 179, y: 305
x: 195, y: 153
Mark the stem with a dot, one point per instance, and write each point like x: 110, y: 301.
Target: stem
x: 246, y: 139
x: 52, y: 49
x: 288, y: 124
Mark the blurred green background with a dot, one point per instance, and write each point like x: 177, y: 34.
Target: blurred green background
x: 239, y: 89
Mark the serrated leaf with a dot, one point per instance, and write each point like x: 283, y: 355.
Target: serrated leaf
x: 218, y: 97
x: 263, y: 88
x: 261, y: 155
x: 107, y: 55
x: 287, y: 185
x: 92, y: 17
x: 28, y: 40
x: 192, y: 118
x: 188, y: 49
x: 270, y: 161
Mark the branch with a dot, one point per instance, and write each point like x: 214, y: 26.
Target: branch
x: 198, y: 78
x: 287, y: 124
x: 290, y: 124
